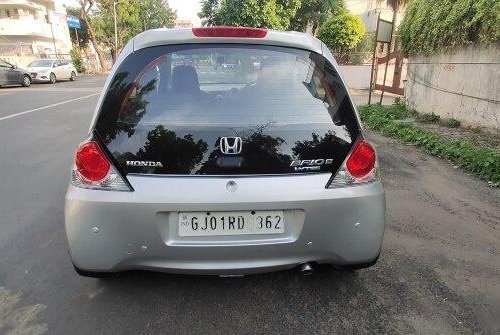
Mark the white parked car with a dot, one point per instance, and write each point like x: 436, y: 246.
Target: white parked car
x: 52, y: 70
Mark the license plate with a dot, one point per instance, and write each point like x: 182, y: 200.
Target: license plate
x: 231, y: 223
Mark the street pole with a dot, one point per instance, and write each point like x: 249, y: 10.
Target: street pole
x: 116, y: 30
x: 373, y: 61
x: 388, y: 55
x: 77, y: 40
x: 53, y: 38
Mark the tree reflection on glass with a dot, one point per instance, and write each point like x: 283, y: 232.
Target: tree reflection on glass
x: 261, y: 154
x: 319, y: 146
x: 178, y: 154
x: 131, y: 109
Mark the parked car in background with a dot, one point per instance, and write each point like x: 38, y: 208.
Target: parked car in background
x: 52, y: 70
x: 10, y: 74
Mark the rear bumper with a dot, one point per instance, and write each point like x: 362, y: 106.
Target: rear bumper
x: 138, y: 230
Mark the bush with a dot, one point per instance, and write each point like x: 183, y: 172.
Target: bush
x: 429, y: 26
x: 427, y: 118
x: 342, y: 32
x: 76, y: 58
x: 450, y: 123
x: 484, y: 162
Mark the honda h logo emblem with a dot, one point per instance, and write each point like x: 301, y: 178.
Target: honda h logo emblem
x: 230, y: 145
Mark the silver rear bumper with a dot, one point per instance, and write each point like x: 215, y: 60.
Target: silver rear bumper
x: 115, y: 231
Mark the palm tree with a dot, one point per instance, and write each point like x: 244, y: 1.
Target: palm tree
x: 395, y: 5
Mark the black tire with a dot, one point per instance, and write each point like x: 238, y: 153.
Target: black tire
x: 53, y: 78
x: 92, y: 274
x: 26, y: 82
x: 73, y: 76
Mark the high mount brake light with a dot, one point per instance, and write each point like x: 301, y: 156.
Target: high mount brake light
x: 93, y: 169
x: 241, y: 32
x: 359, y: 167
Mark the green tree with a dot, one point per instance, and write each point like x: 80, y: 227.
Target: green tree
x: 83, y: 34
x: 208, y: 13
x: 427, y: 28
x: 342, y: 32
x: 156, y: 14
x: 86, y: 6
x: 133, y: 16
x: 273, y: 14
x: 76, y: 58
x: 314, y: 13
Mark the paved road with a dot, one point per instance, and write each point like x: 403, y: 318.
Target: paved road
x: 439, y: 272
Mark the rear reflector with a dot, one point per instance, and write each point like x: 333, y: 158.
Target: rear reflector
x: 241, y: 32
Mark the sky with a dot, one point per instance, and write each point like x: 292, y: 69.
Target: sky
x: 187, y: 10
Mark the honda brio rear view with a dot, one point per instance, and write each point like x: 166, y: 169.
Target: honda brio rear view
x: 224, y: 151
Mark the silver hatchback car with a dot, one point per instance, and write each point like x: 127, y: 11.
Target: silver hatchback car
x: 194, y: 167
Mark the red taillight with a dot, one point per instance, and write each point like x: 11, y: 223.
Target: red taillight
x: 91, y: 163
x: 242, y: 32
x: 362, y: 159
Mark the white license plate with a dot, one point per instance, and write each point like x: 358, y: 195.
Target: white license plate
x: 231, y: 223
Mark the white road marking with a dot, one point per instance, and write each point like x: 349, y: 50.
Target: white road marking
x: 45, y: 107
x: 5, y: 93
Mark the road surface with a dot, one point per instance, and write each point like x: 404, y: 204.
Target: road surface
x: 439, y: 272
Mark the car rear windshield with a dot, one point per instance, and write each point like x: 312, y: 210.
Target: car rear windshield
x: 212, y: 109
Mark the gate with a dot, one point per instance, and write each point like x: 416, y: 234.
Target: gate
x: 396, y: 73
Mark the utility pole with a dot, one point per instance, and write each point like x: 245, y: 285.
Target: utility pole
x: 372, y: 84
x: 52, y: 31
x: 115, y: 2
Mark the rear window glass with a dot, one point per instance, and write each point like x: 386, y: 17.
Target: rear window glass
x: 194, y: 88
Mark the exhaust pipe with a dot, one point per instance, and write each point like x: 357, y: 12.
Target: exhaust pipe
x: 306, y: 269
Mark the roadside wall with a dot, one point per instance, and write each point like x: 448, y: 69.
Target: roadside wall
x: 464, y: 85
x: 356, y: 76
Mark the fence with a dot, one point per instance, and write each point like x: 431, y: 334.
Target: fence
x: 22, y: 54
x: 19, y: 49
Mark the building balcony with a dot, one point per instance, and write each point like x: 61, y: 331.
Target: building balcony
x: 36, y: 29
x: 22, y: 4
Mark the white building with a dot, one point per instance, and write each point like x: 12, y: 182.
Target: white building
x: 186, y: 23
x: 36, y: 24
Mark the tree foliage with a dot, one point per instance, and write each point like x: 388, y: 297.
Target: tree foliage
x: 427, y: 28
x: 132, y: 17
x: 83, y: 34
x: 342, y: 32
x: 315, y: 13
x: 273, y: 14
x: 76, y: 58
x: 156, y: 14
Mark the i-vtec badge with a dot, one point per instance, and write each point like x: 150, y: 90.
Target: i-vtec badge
x: 305, y: 165
x: 144, y: 163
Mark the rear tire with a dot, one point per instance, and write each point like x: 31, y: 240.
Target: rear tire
x: 73, y: 76
x: 26, y: 82
x: 92, y: 274
x: 53, y: 78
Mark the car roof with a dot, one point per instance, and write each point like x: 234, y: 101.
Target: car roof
x: 165, y: 36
